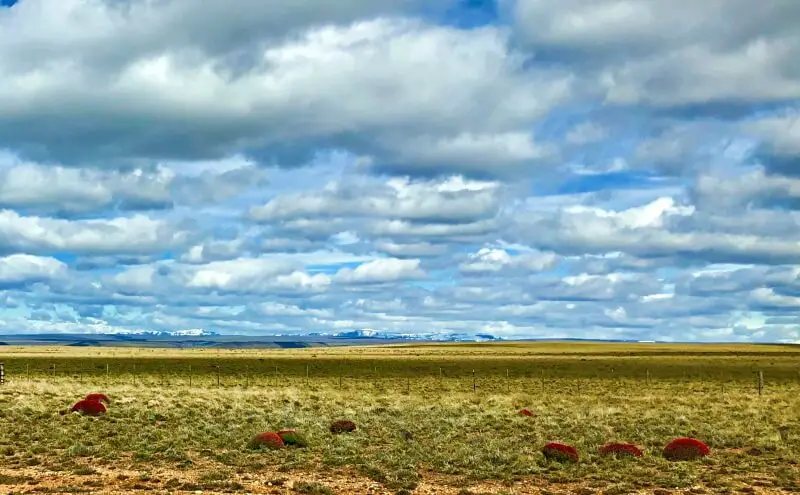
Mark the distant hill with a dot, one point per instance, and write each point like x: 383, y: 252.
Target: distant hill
x: 204, y: 339
x: 171, y: 341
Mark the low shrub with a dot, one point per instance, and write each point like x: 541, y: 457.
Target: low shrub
x: 267, y: 439
x: 618, y: 449
x: 685, y: 449
x: 560, y: 452
x: 342, y: 426
x: 291, y: 437
x: 89, y: 407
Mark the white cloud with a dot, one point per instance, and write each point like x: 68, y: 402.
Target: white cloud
x: 488, y: 260
x: 381, y: 271
x: 135, y: 234
x: 237, y: 274
x: 21, y: 268
x: 450, y: 200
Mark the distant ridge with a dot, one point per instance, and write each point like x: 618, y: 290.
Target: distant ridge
x: 201, y: 338
x: 352, y: 338
x: 165, y: 340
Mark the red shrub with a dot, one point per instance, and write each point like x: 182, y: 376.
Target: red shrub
x: 89, y: 407
x: 268, y: 439
x: 685, y: 449
x: 621, y: 450
x: 342, y: 426
x: 525, y: 412
x: 560, y: 452
x: 99, y: 398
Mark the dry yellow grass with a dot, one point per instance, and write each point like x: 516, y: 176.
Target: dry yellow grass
x: 172, y: 429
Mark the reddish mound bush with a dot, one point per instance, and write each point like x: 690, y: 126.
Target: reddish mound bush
x: 560, y: 452
x: 342, y: 426
x: 526, y: 412
x: 98, y: 398
x: 89, y: 407
x: 685, y: 449
x: 268, y: 439
x: 620, y: 450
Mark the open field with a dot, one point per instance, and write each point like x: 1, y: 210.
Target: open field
x: 431, y: 419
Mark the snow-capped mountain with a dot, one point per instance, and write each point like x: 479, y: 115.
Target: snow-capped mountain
x: 438, y: 337
x: 191, y: 332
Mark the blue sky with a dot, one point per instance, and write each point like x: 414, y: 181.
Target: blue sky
x: 621, y: 169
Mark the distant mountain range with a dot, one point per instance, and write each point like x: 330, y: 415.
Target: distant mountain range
x: 355, y: 334
x: 201, y: 338
x: 433, y: 337
x: 193, y: 332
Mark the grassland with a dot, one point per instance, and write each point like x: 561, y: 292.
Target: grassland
x: 432, y: 419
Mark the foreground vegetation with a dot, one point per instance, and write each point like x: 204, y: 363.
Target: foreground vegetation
x: 429, y: 418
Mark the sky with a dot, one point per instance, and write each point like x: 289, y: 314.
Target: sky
x: 612, y: 169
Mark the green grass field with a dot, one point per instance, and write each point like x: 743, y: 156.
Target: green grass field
x: 180, y: 419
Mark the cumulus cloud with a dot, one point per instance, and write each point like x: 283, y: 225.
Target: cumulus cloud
x: 452, y: 200
x: 489, y: 261
x: 664, y: 53
x: 63, y: 190
x: 622, y: 169
x: 25, y: 268
x: 137, y: 234
x: 318, y: 89
x: 381, y: 270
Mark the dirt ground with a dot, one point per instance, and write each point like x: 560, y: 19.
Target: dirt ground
x: 35, y: 480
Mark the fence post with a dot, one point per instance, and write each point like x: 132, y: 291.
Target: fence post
x: 2, y: 373
x: 474, y: 382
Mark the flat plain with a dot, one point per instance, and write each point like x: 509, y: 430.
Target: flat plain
x: 432, y: 418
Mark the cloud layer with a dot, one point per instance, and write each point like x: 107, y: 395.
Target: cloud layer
x: 522, y: 168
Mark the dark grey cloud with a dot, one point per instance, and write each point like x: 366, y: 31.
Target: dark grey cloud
x: 670, y: 53
x: 73, y: 191
x: 167, y: 88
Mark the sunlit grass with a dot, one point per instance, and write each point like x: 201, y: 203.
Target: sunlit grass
x: 414, y: 422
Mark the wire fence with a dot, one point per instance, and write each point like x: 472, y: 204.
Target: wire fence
x: 453, y: 379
